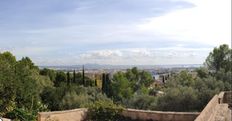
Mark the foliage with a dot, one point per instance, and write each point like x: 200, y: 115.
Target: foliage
x: 104, y: 110
x: 202, y: 72
x: 26, y: 90
x: 50, y: 73
x: 7, y: 83
x: 20, y: 86
x: 178, y: 99
x: 64, y: 98
x: 141, y: 102
x: 30, y: 84
x: 183, y: 90
x: 220, y: 58
x: 121, y: 88
x: 125, y: 85
x: 60, y: 77
x: 21, y: 115
x: 219, y: 62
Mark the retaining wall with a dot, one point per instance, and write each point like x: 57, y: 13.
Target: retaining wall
x: 144, y: 115
x: 217, y: 109
x: 227, y: 97
x: 5, y: 119
x: 80, y: 115
x: 68, y: 115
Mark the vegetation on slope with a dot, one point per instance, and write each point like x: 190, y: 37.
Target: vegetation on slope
x: 26, y: 90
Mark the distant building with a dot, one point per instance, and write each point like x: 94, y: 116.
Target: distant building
x: 155, y: 75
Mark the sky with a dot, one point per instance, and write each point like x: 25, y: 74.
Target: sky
x: 114, y: 32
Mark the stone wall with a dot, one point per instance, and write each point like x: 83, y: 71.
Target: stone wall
x: 227, y: 97
x: 5, y: 119
x: 144, y: 115
x: 222, y: 113
x: 68, y: 115
x: 80, y: 114
x: 217, y: 109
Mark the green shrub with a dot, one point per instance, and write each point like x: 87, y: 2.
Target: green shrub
x: 21, y: 115
x: 104, y: 110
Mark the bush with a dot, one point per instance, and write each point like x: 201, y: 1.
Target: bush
x: 21, y: 115
x: 141, y: 102
x: 178, y: 99
x: 104, y: 110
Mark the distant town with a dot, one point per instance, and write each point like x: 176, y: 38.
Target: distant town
x: 160, y: 73
x: 153, y: 69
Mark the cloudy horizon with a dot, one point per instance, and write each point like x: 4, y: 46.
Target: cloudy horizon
x: 114, y: 32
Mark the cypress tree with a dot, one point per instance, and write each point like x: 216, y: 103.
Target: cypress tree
x: 83, y: 75
x: 103, y: 82
x: 74, y: 76
x: 90, y: 83
x: 68, y: 78
x: 163, y: 79
x: 95, y: 82
x: 107, y: 84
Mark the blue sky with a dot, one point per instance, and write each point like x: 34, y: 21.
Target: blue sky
x: 144, y: 32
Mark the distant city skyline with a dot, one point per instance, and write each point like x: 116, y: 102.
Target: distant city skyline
x: 114, y: 32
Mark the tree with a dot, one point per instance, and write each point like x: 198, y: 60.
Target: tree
x: 202, y: 72
x: 138, y: 78
x: 29, y: 84
x: 83, y: 75
x: 79, y: 78
x: 50, y: 73
x: 142, y: 102
x: 74, y: 76
x: 125, y: 84
x: 103, y: 82
x: 178, y: 99
x: 106, y: 84
x: 219, y: 58
x: 20, y: 87
x: 121, y: 88
x: 183, y: 78
x: 95, y: 82
x: 220, y: 61
x: 74, y: 96
x: 60, y: 77
x: 89, y: 82
x: 7, y: 82
x: 68, y: 78
x: 146, y: 78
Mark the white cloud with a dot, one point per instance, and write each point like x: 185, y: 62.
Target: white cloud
x: 143, y: 56
x: 207, y: 23
x: 126, y: 56
x: 103, y: 54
